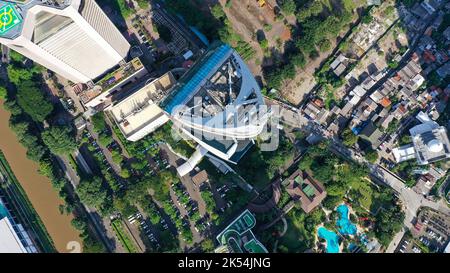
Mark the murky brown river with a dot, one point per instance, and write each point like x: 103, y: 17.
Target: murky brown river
x: 38, y: 188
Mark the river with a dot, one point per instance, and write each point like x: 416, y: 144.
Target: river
x: 38, y: 188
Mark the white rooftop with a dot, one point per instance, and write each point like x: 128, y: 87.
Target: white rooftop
x: 140, y: 111
x: 404, y: 153
x: 9, y: 241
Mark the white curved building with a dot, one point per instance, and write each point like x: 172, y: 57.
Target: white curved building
x: 73, y: 38
x: 219, y: 104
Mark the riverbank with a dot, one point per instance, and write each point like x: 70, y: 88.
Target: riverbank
x: 37, y: 188
x: 24, y: 209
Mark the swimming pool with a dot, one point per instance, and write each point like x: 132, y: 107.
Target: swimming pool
x: 3, y: 211
x: 346, y: 227
x: 332, y: 239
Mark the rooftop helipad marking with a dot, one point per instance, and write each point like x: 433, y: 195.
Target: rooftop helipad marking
x: 9, y: 18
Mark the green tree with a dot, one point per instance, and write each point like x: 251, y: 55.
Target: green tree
x: 91, y: 193
x: 16, y: 56
x: 348, y: 137
x: 13, y: 107
x: 116, y: 157
x: 36, y: 151
x: 143, y: 4
x: 105, y: 139
x: 46, y: 168
x: 78, y: 224
x: 59, y: 140
x: 298, y: 60
x: 288, y: 6
x: 125, y: 173
x: 324, y: 45
x: 312, y: 10
x: 218, y: 12
x: 3, y: 92
x: 372, y: 156
x: 32, y: 101
x: 98, y: 122
x: 16, y: 74
x: 207, y: 246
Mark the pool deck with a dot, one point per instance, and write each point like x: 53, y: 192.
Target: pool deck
x: 359, y: 230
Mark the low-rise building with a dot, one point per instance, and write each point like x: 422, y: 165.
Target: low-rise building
x: 9, y: 241
x: 303, y: 188
x: 430, y: 143
x: 200, y: 178
x: 139, y: 114
x: 238, y: 237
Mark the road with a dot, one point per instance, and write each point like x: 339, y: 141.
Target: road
x: 410, y: 199
x: 100, y: 226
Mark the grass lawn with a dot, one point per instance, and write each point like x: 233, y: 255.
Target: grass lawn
x: 292, y: 240
x: 123, y: 236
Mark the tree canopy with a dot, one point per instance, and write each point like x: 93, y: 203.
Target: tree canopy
x: 32, y: 101
x: 91, y: 193
x: 59, y: 140
x: 348, y: 137
x: 3, y: 92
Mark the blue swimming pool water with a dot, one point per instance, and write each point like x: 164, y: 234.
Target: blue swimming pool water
x: 345, y: 226
x: 351, y: 246
x: 332, y: 239
x: 3, y: 211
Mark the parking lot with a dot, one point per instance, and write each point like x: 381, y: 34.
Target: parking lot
x: 431, y: 232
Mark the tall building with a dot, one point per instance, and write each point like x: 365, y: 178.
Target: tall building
x: 73, y: 38
x: 219, y: 105
x: 13, y: 236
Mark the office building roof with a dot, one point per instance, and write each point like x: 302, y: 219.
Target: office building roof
x: 140, y: 110
x: 195, y: 78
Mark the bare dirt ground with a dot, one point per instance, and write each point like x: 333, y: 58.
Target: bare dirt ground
x: 250, y: 21
x: 389, y: 45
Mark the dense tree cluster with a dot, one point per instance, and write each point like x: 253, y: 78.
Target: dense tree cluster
x: 93, y: 193
x: 258, y: 168
x: 59, y: 140
x: 315, y: 32
x: 32, y: 100
x: 29, y: 107
x: 389, y: 222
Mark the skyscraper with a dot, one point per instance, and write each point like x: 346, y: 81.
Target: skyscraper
x: 73, y: 38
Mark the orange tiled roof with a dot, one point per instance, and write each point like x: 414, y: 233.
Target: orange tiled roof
x: 385, y: 102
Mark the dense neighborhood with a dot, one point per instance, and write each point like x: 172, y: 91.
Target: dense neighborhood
x: 152, y: 128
